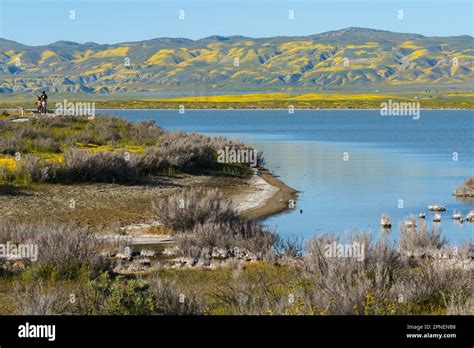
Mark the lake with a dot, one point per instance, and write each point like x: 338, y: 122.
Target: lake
x: 350, y: 165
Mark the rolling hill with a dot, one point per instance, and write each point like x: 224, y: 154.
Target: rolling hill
x: 345, y: 58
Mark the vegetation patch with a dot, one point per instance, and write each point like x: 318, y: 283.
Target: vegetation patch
x: 385, y: 282
x: 66, y: 149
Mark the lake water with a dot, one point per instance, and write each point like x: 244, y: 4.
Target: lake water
x: 390, y: 159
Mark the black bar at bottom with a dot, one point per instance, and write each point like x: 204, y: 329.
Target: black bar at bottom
x: 260, y: 330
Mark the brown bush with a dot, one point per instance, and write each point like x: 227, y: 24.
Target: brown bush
x: 99, y: 167
x: 419, y: 240
x: 346, y: 285
x: 183, y: 211
x: 37, y: 170
x: 62, y: 249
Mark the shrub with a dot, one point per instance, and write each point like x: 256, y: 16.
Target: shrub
x: 36, y: 169
x: 151, y: 162
x: 123, y: 297
x: 164, y: 152
x: 46, y: 145
x: 63, y: 250
x: 431, y: 287
x: 207, y: 221
x: 36, y: 299
x: 419, y: 240
x: 81, y: 166
x: 346, y: 285
x: 254, y: 237
x: 11, y: 145
x: 196, y: 206
x: 145, y: 133
x: 259, y: 289
x: 171, y: 300
x: 290, y: 247
x: 244, y: 235
x: 105, y: 295
x: 184, y: 151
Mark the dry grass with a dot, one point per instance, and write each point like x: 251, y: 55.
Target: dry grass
x: 105, y: 295
x: 63, y: 250
x: 419, y: 240
x: 183, y: 211
x: 384, y: 282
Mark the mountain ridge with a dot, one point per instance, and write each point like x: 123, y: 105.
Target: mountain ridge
x: 325, y: 34
x: 348, y: 57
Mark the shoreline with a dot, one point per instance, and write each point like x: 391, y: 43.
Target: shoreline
x: 266, y: 197
x: 14, y: 111
x: 270, y: 197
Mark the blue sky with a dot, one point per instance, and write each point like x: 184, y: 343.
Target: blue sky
x: 38, y: 22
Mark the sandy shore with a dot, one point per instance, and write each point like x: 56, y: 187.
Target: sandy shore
x: 267, y: 196
x: 259, y: 193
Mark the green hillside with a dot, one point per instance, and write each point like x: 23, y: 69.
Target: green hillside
x: 348, y: 58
